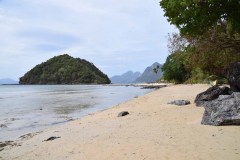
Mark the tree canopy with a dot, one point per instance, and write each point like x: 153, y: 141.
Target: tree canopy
x: 195, y: 17
x: 208, y: 42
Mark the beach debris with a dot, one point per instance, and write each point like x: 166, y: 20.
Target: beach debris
x: 179, y: 102
x: 28, y: 135
x: 153, y: 86
x: 225, y: 110
x: 3, y: 126
x: 70, y: 119
x: 123, y: 113
x: 233, y: 76
x: 213, y: 83
x: 7, y: 143
x: 51, y: 138
x: 211, y: 94
x: 13, y: 119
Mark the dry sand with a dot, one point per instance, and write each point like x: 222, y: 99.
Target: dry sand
x: 154, y: 130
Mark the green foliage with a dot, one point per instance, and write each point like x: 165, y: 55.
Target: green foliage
x: 208, y: 25
x: 193, y: 62
x: 209, y: 38
x: 173, y: 69
x: 210, y: 62
x: 212, y: 78
x: 196, y: 17
x: 64, y: 69
x: 198, y: 76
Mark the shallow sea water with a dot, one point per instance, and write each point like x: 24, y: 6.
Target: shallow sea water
x: 31, y: 108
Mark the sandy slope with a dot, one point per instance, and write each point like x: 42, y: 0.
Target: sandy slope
x: 154, y: 130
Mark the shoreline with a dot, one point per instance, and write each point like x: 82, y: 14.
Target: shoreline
x: 88, y: 99
x: 20, y: 136
x: 152, y: 130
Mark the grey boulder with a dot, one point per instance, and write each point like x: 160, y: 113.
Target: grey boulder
x: 225, y: 110
x: 211, y: 94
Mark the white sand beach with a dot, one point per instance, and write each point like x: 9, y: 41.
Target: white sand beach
x: 154, y: 130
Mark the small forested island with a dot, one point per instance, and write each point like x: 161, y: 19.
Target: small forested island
x: 64, y: 69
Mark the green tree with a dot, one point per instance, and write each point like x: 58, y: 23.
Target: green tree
x: 195, y: 17
x: 212, y: 25
x: 209, y: 37
x: 173, y: 69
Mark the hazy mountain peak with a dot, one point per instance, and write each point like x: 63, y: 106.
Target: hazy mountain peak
x: 8, y: 81
x: 127, y: 77
x: 149, y: 75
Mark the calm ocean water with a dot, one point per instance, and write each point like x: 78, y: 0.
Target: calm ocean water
x: 31, y: 108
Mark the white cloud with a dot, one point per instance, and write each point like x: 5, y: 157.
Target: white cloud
x: 115, y: 35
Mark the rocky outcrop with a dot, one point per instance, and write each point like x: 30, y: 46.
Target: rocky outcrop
x: 225, y: 110
x: 123, y: 113
x: 211, y: 94
x: 51, y: 138
x: 222, y: 106
x: 179, y: 102
x: 233, y: 76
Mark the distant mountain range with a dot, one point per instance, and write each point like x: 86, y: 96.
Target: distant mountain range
x: 149, y: 75
x: 127, y: 77
x: 8, y: 81
x: 136, y: 77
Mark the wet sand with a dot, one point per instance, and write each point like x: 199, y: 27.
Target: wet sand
x: 153, y: 130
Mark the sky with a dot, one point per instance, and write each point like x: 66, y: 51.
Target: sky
x: 115, y: 35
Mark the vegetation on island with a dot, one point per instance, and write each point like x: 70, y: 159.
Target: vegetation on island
x: 207, y: 42
x: 65, y: 69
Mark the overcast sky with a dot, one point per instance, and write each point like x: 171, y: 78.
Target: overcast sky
x: 115, y: 35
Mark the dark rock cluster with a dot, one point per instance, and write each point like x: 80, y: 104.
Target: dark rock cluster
x: 211, y: 94
x: 123, y: 113
x: 233, y: 76
x: 179, y: 102
x: 222, y: 106
x: 51, y: 138
x: 225, y: 110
